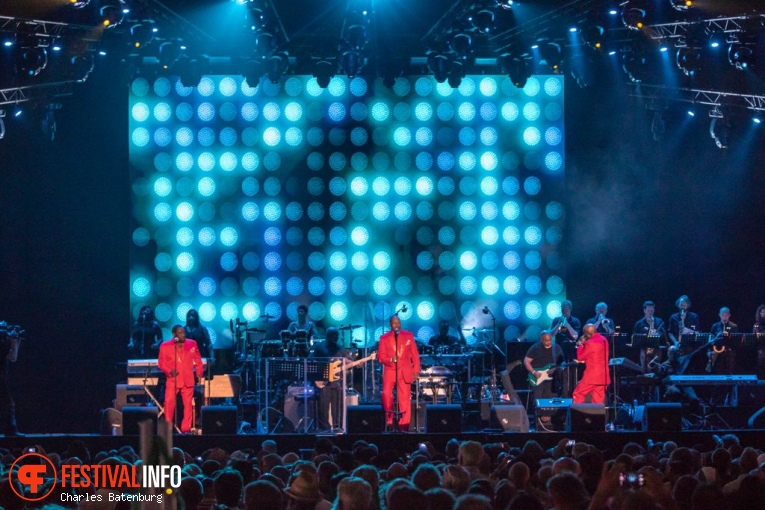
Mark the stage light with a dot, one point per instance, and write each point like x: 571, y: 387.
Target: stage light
x: 351, y: 62
x: 31, y: 61
x: 461, y: 44
x: 78, y: 4
x: 2, y: 124
x: 551, y: 54
x: 17, y: 112
x: 191, y: 70
x: 663, y: 47
x: 112, y: 14
x: 81, y: 66
x: 168, y: 54
x: 689, y: 60
x: 740, y: 56
x: 592, y: 35
x: 517, y: 69
x: 612, y: 52
x: 635, y: 66
x: 632, y: 17
x: 252, y: 72
x: 691, y: 113
x: 681, y: 5
x: 440, y: 64
x: 141, y: 34
x: 716, y: 39
x: 7, y: 43
x: 613, y: 12
x: 719, y: 128
x: 276, y: 66
x: 323, y: 71
x: 458, y: 72
x: 55, y: 46
x: 265, y: 44
x: 756, y: 120
x: 482, y: 19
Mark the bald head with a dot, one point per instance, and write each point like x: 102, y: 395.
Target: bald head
x: 588, y: 331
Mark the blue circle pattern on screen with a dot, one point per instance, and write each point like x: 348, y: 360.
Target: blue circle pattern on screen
x: 489, y: 225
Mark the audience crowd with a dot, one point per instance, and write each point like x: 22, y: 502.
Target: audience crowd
x: 466, y: 475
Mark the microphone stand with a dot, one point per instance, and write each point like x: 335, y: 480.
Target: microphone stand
x: 397, y: 413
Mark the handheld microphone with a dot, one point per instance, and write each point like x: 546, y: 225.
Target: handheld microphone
x: 395, y: 331
x: 404, y: 308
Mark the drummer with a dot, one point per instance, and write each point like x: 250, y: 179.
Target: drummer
x: 303, y: 323
x: 444, y: 342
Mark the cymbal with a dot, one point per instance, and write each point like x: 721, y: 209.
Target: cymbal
x: 349, y: 327
x: 266, y: 316
x: 256, y: 330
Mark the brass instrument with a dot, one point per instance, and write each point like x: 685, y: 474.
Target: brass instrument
x: 716, y: 351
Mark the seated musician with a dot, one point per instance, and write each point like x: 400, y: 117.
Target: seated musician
x: 684, y: 322
x: 443, y: 341
x: 331, y: 393
x: 650, y: 326
x: 303, y: 323
x: 540, y: 362
x: 722, y: 359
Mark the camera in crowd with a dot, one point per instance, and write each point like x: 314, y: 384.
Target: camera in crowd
x: 631, y: 480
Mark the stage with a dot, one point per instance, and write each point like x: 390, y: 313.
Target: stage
x: 610, y: 443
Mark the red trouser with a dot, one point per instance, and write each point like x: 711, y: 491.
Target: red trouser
x: 597, y: 393
x: 187, y: 396
x: 403, y: 389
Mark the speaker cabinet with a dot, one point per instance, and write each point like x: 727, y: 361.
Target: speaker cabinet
x: 417, y: 416
x: 129, y: 395
x: 219, y: 420
x: 295, y: 410
x: 586, y: 418
x: 132, y: 416
x: 510, y: 418
x: 365, y: 419
x: 443, y: 418
x: 663, y: 417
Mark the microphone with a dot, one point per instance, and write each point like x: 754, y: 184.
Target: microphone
x: 485, y: 310
x: 404, y: 308
x: 395, y: 331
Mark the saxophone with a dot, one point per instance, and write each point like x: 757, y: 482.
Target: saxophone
x: 713, y: 353
x: 651, y: 332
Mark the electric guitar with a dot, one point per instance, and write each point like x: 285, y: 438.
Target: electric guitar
x: 335, y: 369
x: 545, y: 374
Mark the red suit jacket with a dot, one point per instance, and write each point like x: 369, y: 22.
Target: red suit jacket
x: 408, y: 359
x: 189, y: 359
x: 594, y: 353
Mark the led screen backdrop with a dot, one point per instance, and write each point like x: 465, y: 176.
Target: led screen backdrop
x: 354, y: 200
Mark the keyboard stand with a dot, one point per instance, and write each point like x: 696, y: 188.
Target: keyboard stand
x: 154, y: 399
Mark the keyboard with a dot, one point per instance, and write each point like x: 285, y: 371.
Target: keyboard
x: 712, y: 379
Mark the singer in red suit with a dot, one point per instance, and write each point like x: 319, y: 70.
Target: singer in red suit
x: 594, y: 354
x: 180, y: 361
x: 397, y: 347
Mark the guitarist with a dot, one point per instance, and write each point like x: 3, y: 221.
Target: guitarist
x: 541, y: 360
x: 331, y: 395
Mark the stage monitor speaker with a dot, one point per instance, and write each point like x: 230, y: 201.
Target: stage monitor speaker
x: 219, y: 420
x: 443, y: 418
x: 510, y: 418
x: 111, y: 422
x: 129, y: 395
x: 663, y: 417
x: 586, y: 418
x: 365, y: 419
x: 132, y: 416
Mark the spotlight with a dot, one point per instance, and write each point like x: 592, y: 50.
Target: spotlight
x: 592, y: 36
x: 30, y: 61
x: 191, y: 70
x: 323, y: 71
x: 112, y: 14
x: 265, y: 44
x: 757, y: 120
x: 252, y: 72
x: 663, y: 47
x: 483, y: 19
x: 461, y: 44
x: 505, y: 4
x: 17, y: 112
x: 351, y: 62
x: 635, y: 65
x: 440, y: 64
x: 169, y: 52
x: 276, y: 66
x: 78, y: 4
x: 716, y: 39
x: 517, y: 69
x: 632, y: 17
x: 7, y: 43
x: 458, y: 72
x: 2, y: 124
x: 356, y: 36
x: 691, y: 113
x: 551, y: 54
x: 740, y: 56
x: 82, y: 66
x: 141, y: 34
x: 719, y: 128
x: 681, y: 5
x: 689, y: 60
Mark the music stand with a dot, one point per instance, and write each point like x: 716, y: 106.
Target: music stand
x: 642, y: 341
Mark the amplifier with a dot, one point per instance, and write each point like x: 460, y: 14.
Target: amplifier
x: 548, y: 406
